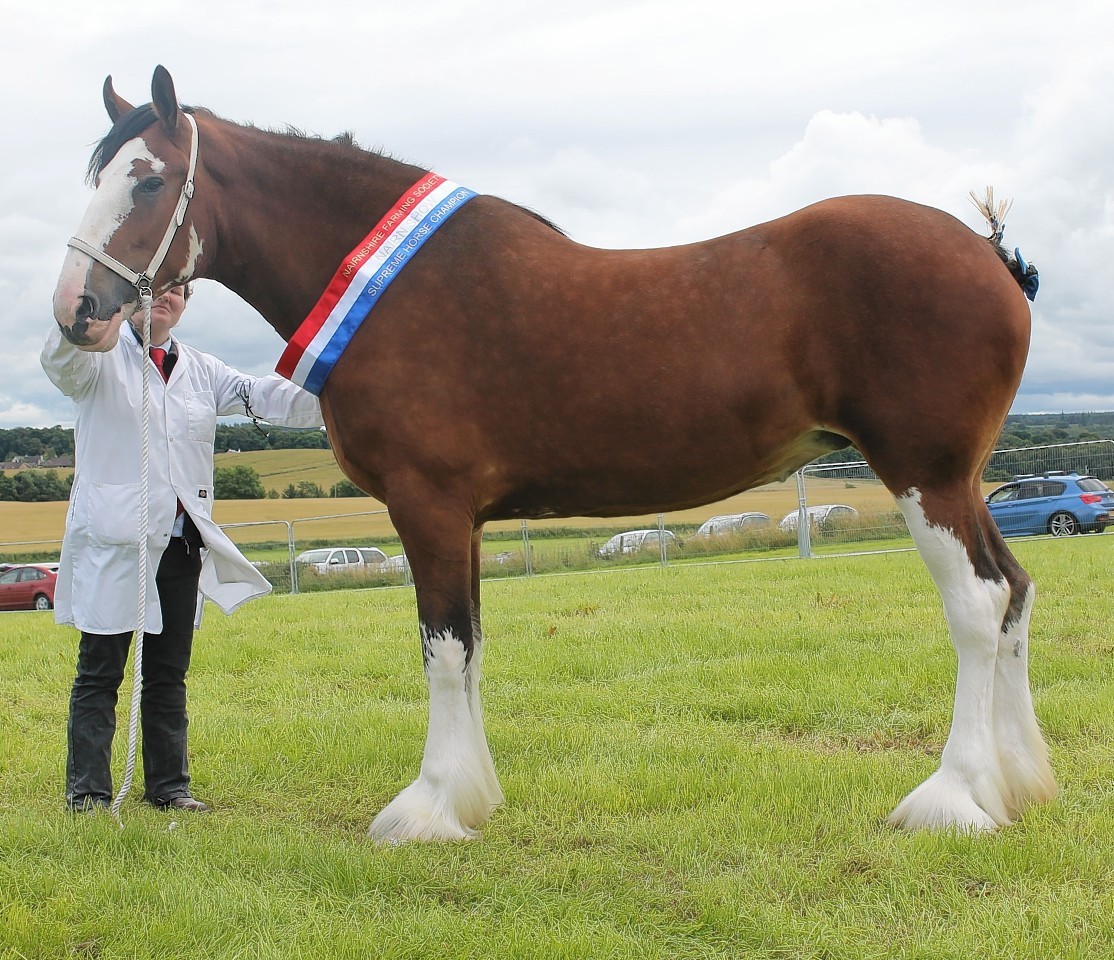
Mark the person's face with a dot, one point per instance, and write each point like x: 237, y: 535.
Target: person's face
x: 166, y: 311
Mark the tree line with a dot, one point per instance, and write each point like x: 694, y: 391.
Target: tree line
x: 36, y: 485
x: 244, y: 483
x: 1025, y: 430
x: 52, y: 442
x: 229, y: 483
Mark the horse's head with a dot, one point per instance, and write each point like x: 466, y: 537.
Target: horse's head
x: 140, y: 171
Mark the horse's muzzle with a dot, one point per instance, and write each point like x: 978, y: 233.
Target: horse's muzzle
x: 77, y: 319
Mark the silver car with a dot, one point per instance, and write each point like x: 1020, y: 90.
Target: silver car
x: 732, y: 523
x: 634, y: 540
x: 819, y: 516
x: 333, y: 559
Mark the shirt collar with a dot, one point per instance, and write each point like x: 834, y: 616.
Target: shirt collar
x: 168, y: 345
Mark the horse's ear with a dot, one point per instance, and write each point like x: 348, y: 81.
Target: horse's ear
x: 163, y: 98
x: 116, y: 106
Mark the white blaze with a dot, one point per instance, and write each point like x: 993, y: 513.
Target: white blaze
x: 111, y: 205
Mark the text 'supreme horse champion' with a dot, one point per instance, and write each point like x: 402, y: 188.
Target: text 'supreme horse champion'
x: 501, y: 375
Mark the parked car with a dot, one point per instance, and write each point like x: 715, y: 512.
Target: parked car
x: 28, y: 586
x: 333, y: 559
x: 732, y: 523
x: 820, y: 517
x: 398, y: 563
x: 1058, y: 503
x: 634, y: 540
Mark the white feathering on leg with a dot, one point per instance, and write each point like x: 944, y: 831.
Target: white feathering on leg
x: 1021, y: 747
x: 457, y: 787
x: 969, y: 791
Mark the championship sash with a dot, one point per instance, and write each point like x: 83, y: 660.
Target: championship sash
x: 366, y: 272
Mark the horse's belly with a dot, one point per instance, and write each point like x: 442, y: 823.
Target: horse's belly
x: 660, y: 479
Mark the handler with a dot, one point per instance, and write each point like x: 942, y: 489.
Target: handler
x: 98, y: 589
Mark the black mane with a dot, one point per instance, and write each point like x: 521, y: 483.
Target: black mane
x: 129, y: 126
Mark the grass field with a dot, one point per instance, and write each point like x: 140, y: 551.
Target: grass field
x: 697, y: 761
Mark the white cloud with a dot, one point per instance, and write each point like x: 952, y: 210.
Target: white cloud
x: 14, y: 413
x: 635, y: 123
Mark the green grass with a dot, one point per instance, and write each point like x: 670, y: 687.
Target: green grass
x: 698, y: 763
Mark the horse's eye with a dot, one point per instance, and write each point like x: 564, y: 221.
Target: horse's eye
x: 151, y: 184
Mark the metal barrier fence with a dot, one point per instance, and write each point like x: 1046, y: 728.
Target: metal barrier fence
x: 826, y: 509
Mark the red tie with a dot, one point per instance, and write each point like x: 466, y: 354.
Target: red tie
x: 159, y: 356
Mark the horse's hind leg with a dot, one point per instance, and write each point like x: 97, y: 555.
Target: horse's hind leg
x: 1021, y: 747
x: 995, y: 760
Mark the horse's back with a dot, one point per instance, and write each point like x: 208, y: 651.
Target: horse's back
x: 743, y: 356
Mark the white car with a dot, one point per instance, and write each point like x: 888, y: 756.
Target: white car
x: 397, y: 564
x: 732, y: 523
x: 333, y: 559
x: 819, y: 516
x: 634, y: 540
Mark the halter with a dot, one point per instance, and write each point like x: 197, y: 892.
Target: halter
x: 142, y: 281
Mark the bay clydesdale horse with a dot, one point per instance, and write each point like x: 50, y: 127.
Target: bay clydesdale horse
x: 496, y: 378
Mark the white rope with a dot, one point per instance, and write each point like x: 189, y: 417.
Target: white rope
x: 144, y: 510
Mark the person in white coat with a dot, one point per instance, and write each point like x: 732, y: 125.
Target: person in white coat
x: 98, y: 577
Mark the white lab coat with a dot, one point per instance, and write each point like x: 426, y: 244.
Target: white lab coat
x: 98, y: 579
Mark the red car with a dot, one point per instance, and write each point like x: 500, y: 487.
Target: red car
x: 28, y: 586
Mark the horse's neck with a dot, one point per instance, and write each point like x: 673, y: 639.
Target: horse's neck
x: 292, y: 210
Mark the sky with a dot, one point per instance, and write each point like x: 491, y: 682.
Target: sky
x: 630, y: 123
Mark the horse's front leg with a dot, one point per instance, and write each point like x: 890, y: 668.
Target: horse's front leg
x: 456, y: 788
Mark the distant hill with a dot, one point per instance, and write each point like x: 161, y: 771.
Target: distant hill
x: 288, y: 456
x: 54, y: 442
x: 280, y: 468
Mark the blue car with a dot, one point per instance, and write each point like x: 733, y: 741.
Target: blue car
x: 1062, y: 504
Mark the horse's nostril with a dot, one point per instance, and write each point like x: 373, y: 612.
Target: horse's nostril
x: 86, y: 307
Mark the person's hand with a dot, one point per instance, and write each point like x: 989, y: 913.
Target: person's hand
x: 93, y: 336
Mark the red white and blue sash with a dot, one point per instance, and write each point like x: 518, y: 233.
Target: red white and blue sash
x: 365, y: 273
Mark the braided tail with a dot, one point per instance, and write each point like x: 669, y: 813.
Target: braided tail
x: 995, y: 213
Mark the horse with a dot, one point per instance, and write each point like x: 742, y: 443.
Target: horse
x: 510, y: 372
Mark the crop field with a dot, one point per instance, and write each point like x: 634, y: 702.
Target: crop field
x: 364, y: 521
x: 698, y: 762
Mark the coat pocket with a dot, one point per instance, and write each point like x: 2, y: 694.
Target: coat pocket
x: 107, y: 513
x: 201, y: 411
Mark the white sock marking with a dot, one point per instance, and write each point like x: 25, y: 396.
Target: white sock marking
x: 456, y: 789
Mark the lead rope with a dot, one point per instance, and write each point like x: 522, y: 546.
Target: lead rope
x: 144, y: 510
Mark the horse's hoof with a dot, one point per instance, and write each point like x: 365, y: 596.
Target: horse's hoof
x: 418, y: 813
x: 944, y: 802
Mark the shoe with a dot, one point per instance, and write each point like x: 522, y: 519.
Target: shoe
x: 189, y: 804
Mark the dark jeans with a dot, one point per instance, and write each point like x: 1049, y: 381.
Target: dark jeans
x: 101, y: 661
